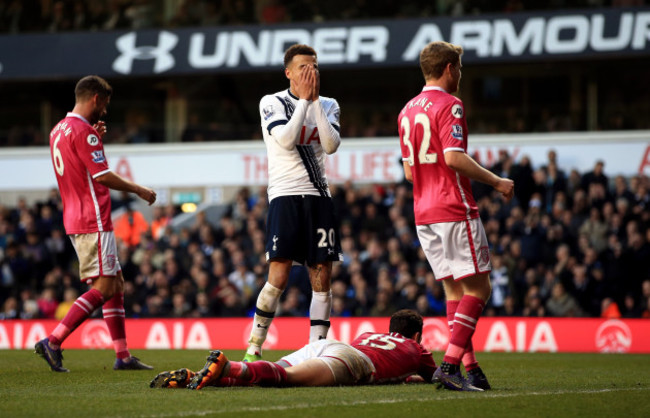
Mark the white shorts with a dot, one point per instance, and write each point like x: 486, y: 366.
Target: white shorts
x: 348, y: 365
x: 456, y: 249
x: 97, y: 254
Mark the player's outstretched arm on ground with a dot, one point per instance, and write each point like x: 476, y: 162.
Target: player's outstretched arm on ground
x: 466, y: 166
x: 117, y: 182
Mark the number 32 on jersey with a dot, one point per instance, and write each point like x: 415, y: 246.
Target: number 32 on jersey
x: 423, y: 156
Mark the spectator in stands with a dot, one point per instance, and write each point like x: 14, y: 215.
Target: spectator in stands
x: 597, y: 175
x: 130, y: 227
x: 69, y: 296
x: 10, y: 309
x: 561, y: 303
x: 383, y: 305
x: 377, y: 274
x: 60, y: 20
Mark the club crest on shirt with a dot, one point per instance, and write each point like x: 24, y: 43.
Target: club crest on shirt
x: 98, y: 156
x: 268, y: 112
x: 484, y: 254
x: 457, y: 111
x: 110, y: 262
x: 92, y: 140
x: 457, y: 132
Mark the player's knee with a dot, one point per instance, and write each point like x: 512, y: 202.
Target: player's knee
x: 105, y: 286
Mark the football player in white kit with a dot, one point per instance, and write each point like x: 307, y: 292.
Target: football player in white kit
x: 299, y: 128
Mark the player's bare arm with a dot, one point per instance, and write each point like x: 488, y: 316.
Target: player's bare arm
x: 116, y: 182
x: 408, y: 174
x: 466, y: 166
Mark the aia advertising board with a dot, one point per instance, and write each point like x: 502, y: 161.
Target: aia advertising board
x: 493, y: 334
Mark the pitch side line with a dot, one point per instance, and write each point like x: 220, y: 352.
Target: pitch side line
x: 385, y: 401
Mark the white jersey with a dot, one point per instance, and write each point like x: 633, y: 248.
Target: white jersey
x: 299, y: 169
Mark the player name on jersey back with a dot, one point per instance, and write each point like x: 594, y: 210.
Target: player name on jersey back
x: 430, y: 125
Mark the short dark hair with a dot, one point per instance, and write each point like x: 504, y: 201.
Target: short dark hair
x: 435, y: 56
x: 406, y: 322
x: 297, y: 49
x: 90, y: 85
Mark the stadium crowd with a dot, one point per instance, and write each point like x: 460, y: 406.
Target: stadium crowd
x: 18, y: 16
x: 569, y: 244
x: 218, y: 111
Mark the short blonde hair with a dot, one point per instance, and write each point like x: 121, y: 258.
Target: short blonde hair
x: 436, y: 55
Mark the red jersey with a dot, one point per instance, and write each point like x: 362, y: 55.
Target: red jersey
x: 395, y: 357
x: 78, y: 158
x: 431, y: 124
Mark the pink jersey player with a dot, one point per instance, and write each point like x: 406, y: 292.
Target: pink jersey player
x: 395, y: 357
x: 430, y: 125
x: 372, y: 358
x: 433, y: 139
x: 78, y: 157
x: 84, y: 181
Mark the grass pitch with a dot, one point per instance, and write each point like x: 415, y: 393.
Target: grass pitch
x: 530, y: 385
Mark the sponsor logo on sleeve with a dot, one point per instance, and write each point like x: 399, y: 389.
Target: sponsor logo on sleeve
x: 98, y: 156
x: 92, y: 139
x: 457, y: 132
x: 268, y: 112
x: 457, y: 111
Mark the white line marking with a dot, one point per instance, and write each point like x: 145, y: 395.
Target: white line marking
x: 384, y: 401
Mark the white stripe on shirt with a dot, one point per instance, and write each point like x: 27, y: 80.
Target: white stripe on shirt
x: 98, y: 214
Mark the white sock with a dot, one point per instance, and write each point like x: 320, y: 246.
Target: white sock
x: 319, y: 315
x: 267, y: 303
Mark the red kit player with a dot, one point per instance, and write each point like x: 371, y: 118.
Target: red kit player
x: 84, y: 180
x: 372, y: 358
x: 433, y: 139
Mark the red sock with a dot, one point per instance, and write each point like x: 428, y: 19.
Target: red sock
x: 469, y: 358
x: 113, y: 311
x: 266, y: 373
x: 237, y: 369
x: 81, y: 309
x: 467, y: 313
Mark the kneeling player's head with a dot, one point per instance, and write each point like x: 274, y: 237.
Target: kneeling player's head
x: 408, y: 323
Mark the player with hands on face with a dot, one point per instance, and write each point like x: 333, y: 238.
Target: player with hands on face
x: 300, y: 127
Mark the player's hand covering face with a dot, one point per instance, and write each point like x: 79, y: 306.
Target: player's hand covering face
x: 302, y: 71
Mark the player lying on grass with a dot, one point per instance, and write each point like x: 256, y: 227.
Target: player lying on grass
x: 372, y: 358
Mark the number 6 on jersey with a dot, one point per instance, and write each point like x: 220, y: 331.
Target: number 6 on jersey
x: 56, y: 155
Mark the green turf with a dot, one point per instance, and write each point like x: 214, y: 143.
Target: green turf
x: 530, y: 385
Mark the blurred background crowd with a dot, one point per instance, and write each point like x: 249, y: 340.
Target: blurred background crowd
x: 569, y: 245
x: 18, y: 16
x: 553, y: 96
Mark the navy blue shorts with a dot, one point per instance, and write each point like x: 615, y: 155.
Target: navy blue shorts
x: 303, y: 229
